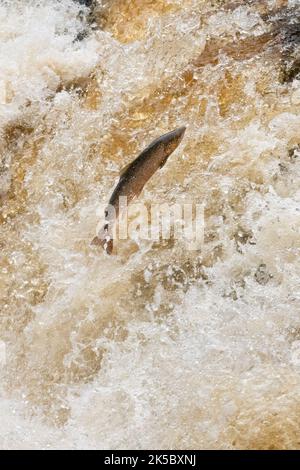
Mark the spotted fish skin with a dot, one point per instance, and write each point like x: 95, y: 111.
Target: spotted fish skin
x: 133, y: 179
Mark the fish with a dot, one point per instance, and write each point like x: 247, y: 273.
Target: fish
x: 133, y: 178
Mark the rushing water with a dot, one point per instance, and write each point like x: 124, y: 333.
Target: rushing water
x: 156, y: 346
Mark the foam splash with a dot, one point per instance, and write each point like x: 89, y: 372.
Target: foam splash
x: 156, y: 347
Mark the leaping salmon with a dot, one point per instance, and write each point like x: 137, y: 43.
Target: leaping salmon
x: 133, y: 179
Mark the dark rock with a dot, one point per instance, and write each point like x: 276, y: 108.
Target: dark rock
x: 81, y: 35
x: 285, y: 25
x: 290, y: 69
x: 291, y: 33
x: 86, y: 3
x: 91, y: 18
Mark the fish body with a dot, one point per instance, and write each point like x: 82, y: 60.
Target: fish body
x: 133, y: 179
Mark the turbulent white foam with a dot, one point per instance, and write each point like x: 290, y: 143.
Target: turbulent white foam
x: 121, y: 352
x: 35, y: 40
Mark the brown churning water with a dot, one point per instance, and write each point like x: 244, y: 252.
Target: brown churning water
x: 158, y: 347
x: 133, y: 179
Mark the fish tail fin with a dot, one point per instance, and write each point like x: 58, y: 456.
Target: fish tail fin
x: 105, y: 240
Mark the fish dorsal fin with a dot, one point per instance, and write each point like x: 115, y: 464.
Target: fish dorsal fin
x: 124, y: 169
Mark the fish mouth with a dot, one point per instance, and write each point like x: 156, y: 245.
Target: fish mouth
x: 179, y: 132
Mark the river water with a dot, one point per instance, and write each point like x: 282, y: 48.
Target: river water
x: 155, y: 346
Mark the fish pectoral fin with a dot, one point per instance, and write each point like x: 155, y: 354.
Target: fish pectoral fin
x: 163, y: 162
x: 137, y: 194
x: 104, y: 239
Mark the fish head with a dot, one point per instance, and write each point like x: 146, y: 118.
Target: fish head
x: 173, y: 139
